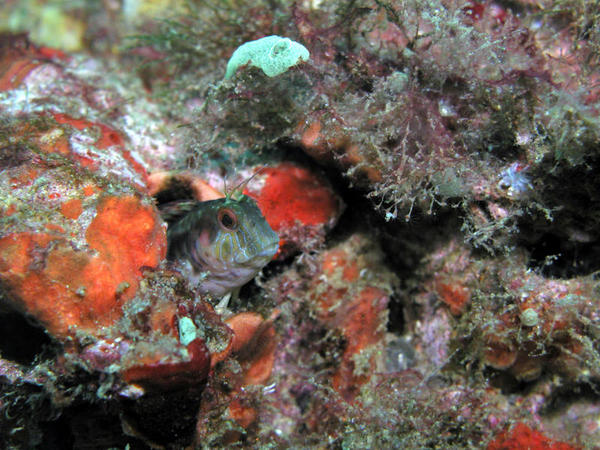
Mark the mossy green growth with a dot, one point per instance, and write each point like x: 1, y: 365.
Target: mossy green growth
x: 274, y: 55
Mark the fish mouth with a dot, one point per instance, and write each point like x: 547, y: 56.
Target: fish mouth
x: 269, y: 250
x: 266, y: 253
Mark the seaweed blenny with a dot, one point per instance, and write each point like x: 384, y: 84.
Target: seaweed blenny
x: 218, y: 245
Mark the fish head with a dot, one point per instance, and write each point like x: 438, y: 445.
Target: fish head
x: 226, y: 240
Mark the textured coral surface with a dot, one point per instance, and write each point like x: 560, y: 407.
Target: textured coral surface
x: 431, y: 171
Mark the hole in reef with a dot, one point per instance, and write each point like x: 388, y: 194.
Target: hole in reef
x: 21, y: 341
x: 507, y: 383
x: 396, y: 315
x: 569, y: 245
x: 175, y: 189
x: 57, y: 435
x: 557, y: 257
x: 566, y: 395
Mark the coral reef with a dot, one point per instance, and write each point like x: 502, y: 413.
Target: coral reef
x: 430, y: 171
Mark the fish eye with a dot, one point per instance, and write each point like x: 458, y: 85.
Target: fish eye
x: 227, y: 219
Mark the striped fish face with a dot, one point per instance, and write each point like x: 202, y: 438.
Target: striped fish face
x: 222, y: 244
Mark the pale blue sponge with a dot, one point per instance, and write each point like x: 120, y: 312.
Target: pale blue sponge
x: 273, y: 54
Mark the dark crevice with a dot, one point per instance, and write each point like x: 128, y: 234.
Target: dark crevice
x: 396, y: 318
x: 20, y: 340
x: 508, y: 383
x: 564, y: 396
x: 569, y: 245
x: 175, y: 189
x: 557, y: 257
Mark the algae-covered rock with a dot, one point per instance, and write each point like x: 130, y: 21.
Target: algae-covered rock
x: 72, y: 243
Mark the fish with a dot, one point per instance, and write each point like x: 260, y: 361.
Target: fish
x: 219, y: 245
